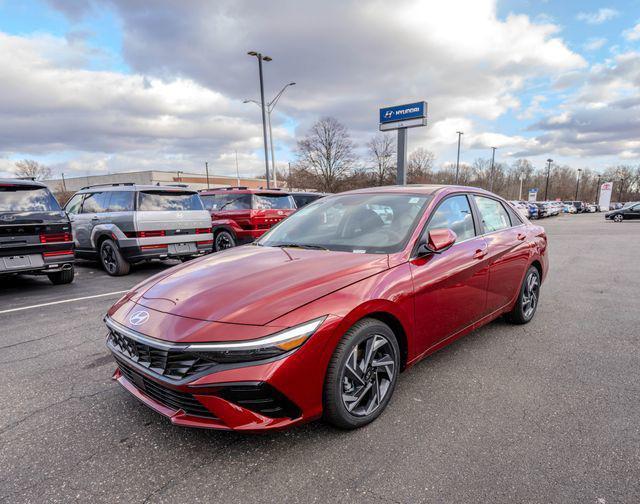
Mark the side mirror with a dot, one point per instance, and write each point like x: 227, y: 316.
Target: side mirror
x: 437, y: 242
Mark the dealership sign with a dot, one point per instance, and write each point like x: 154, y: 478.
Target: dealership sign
x: 533, y: 195
x: 605, y: 196
x: 409, y: 115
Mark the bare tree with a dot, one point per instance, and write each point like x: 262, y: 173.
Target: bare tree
x: 28, y: 168
x: 381, y: 151
x: 327, y: 152
x: 420, y: 166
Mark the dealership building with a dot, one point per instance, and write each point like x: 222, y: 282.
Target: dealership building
x: 154, y: 177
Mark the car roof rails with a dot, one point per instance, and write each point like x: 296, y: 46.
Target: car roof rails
x: 172, y: 185
x: 270, y: 188
x: 114, y: 184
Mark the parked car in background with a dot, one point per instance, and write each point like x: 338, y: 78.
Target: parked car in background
x: 319, y: 318
x: 627, y: 212
x: 240, y: 215
x: 123, y: 224
x: 568, y: 207
x: 35, y: 234
x: 521, y: 208
x: 304, y: 198
x: 533, y: 209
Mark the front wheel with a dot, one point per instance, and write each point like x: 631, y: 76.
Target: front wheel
x: 362, y: 375
x: 111, y: 258
x: 224, y: 240
x: 527, y: 303
x: 618, y: 218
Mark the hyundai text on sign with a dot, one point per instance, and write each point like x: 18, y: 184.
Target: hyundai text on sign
x: 403, y: 116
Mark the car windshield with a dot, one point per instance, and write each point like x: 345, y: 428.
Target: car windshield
x: 273, y: 201
x: 169, y: 200
x: 24, y: 198
x: 373, y: 223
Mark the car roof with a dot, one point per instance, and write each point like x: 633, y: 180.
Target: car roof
x: 21, y: 182
x: 426, y: 189
x: 241, y: 190
x: 136, y: 187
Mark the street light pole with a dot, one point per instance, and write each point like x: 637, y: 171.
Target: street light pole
x: 493, y: 159
x: 206, y: 167
x: 597, y: 201
x: 520, y: 193
x: 262, y: 58
x: 460, y: 133
x: 546, y: 188
x: 578, y: 184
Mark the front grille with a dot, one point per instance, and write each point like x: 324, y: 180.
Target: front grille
x: 167, y: 397
x: 261, y: 398
x: 174, y: 364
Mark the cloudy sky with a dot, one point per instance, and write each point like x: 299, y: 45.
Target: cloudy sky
x: 98, y: 86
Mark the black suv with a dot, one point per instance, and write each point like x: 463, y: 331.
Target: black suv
x: 35, y: 234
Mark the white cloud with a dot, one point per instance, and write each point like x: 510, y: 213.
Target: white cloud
x: 632, y: 34
x: 600, y: 16
x: 593, y: 44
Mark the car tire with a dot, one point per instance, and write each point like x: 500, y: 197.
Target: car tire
x: 223, y: 240
x: 618, y: 218
x: 111, y: 259
x: 357, y: 389
x: 528, y: 299
x: 62, y: 277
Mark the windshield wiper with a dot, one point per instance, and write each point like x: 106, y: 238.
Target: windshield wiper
x: 301, y: 246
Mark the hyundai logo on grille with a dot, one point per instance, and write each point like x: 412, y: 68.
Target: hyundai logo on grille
x: 139, y: 318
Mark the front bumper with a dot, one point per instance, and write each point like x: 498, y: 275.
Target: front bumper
x: 250, y: 396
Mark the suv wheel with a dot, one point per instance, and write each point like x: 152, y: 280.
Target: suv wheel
x: 62, y: 277
x: 111, y: 258
x: 362, y: 375
x: 224, y: 240
x: 527, y: 303
x: 618, y: 218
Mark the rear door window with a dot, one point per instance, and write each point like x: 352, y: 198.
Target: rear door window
x: 273, y: 202
x: 24, y: 198
x: 121, y: 201
x: 494, y: 216
x: 95, y: 202
x: 454, y: 213
x: 169, y: 201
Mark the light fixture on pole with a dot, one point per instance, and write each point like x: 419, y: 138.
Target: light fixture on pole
x: 260, y: 59
x: 546, y: 187
x: 460, y: 133
x: 493, y: 159
x: 270, y: 107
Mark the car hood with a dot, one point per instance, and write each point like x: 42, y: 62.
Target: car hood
x: 254, y: 285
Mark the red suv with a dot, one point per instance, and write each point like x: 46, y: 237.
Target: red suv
x: 240, y: 215
x: 319, y: 317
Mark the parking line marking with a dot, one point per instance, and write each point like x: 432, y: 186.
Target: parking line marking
x: 63, y: 301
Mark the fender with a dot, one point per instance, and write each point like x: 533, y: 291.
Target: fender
x: 110, y: 230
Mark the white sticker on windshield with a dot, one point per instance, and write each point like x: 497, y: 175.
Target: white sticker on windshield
x: 359, y: 251
x: 414, y: 200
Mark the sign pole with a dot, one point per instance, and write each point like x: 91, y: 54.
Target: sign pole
x: 402, y: 157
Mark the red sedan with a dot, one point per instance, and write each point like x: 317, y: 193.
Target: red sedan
x: 319, y: 316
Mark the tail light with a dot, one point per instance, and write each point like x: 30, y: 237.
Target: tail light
x: 203, y: 230
x: 146, y: 234
x: 55, y: 237
x: 57, y: 253
x: 149, y: 247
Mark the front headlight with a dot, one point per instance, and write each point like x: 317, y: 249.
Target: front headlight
x: 261, y: 348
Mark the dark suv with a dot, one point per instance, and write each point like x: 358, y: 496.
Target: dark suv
x: 240, y: 215
x: 35, y: 234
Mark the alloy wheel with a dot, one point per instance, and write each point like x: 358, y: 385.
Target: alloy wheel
x: 530, y: 294
x: 224, y: 241
x: 618, y: 218
x: 367, y: 375
x: 109, y: 260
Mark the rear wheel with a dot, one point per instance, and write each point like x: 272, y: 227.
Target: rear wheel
x: 527, y: 303
x: 618, y: 218
x: 224, y: 240
x: 62, y: 277
x: 362, y: 375
x: 111, y: 258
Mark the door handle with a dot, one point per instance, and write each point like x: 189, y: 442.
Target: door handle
x: 521, y: 236
x: 95, y: 218
x: 480, y: 253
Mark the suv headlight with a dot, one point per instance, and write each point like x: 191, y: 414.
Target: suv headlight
x: 261, y: 348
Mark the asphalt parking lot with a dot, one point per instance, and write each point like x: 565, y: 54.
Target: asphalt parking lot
x: 547, y: 412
